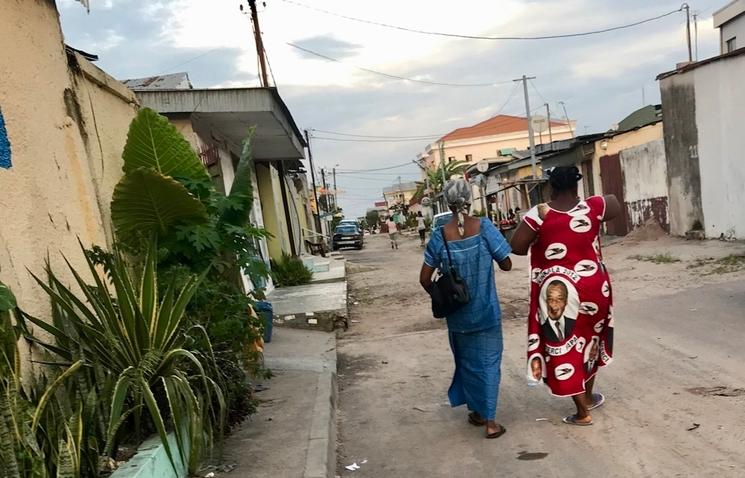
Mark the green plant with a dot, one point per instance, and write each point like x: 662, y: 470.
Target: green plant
x: 665, y: 258
x: 41, y: 433
x: 372, y: 217
x: 289, y: 271
x: 139, y: 339
x: 435, y: 176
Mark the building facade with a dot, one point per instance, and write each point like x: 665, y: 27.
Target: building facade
x: 730, y: 20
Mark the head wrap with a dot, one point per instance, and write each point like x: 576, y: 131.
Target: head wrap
x: 458, y: 194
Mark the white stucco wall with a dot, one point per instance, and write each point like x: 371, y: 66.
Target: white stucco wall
x: 734, y: 29
x: 720, y: 115
x: 645, y: 171
x: 645, y: 183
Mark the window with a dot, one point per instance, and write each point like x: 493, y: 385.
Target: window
x: 731, y: 45
x: 451, y: 159
x: 469, y: 157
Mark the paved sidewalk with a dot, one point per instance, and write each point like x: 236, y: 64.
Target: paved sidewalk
x: 293, y: 434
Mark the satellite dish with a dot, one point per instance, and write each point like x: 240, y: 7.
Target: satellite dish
x: 540, y: 124
x: 482, y: 166
x: 426, y: 202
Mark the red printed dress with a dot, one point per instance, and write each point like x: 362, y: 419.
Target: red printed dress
x: 570, y: 326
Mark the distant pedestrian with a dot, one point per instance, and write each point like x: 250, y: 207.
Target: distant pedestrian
x: 421, y: 227
x: 469, y: 245
x: 392, y: 232
x: 570, y: 330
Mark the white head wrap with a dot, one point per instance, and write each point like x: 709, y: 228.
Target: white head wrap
x: 458, y: 194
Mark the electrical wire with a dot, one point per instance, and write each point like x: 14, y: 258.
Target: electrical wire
x: 397, y: 77
x: 538, y: 92
x: 408, y: 163
x: 422, y: 136
x: 362, y: 140
x: 493, y: 38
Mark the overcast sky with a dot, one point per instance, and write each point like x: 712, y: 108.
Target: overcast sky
x: 600, y: 78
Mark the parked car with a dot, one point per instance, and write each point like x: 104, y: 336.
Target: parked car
x: 347, y: 235
x: 441, y: 219
x: 351, y: 222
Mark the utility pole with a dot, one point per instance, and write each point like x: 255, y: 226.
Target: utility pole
x: 566, y: 117
x: 259, y: 43
x: 325, y: 190
x: 525, y: 79
x: 336, y: 199
x: 313, y: 178
x: 548, y: 119
x: 695, y: 33
x: 688, y: 29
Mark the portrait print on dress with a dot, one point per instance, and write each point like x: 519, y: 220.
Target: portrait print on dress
x: 559, y: 305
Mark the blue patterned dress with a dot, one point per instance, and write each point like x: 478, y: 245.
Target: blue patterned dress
x: 475, y: 330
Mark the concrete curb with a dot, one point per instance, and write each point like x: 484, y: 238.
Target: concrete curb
x: 320, y: 461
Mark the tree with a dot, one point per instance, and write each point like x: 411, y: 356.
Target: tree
x: 434, y: 176
x: 372, y: 217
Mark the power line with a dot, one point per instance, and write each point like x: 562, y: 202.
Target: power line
x: 395, y: 77
x: 538, y: 92
x: 422, y: 136
x: 408, y: 163
x: 477, y: 37
x: 362, y: 140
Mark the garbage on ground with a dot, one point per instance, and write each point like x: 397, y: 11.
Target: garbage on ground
x: 693, y: 427
x: 541, y: 419
x: 353, y: 467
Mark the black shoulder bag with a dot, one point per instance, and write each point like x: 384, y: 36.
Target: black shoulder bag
x: 449, y: 291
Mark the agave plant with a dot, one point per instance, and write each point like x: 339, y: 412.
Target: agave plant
x: 137, y: 338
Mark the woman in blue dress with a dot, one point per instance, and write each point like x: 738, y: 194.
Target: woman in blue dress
x: 475, y: 330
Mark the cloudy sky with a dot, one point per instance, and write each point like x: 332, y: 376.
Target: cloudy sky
x: 601, y: 78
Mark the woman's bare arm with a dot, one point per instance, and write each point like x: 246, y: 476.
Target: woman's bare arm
x: 522, y: 239
x: 612, y: 207
x: 425, y: 277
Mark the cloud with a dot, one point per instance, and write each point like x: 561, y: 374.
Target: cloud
x: 328, y: 45
x: 600, y: 77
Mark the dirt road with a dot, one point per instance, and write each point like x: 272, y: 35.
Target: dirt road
x: 675, y: 392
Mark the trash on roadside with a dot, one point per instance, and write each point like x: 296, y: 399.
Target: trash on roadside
x: 693, y: 427
x: 211, y: 474
x: 356, y: 303
x: 693, y: 357
x: 355, y: 321
x: 353, y: 467
x: 541, y: 419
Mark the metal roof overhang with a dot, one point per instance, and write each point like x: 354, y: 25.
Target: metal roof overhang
x: 228, y: 113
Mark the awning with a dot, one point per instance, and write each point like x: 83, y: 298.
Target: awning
x: 230, y: 112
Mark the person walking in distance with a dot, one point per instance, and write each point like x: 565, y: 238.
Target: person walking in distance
x: 421, y: 227
x: 570, y: 323
x: 471, y: 245
x: 392, y: 232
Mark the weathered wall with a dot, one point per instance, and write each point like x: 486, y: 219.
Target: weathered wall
x: 720, y: 116
x: 65, y: 161
x: 272, y: 211
x: 617, y: 143
x: 681, y: 153
x: 645, y: 184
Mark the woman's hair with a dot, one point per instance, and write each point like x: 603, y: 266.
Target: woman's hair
x: 458, y: 194
x: 564, y: 178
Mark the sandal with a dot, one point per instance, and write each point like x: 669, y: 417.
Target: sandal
x: 572, y: 420
x: 475, y: 419
x: 598, y: 399
x: 502, y: 430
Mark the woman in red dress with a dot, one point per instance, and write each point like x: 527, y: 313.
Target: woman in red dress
x: 570, y: 326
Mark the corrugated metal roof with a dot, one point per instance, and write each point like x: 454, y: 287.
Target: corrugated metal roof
x: 174, y: 81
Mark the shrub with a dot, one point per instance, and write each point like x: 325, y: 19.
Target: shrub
x: 290, y: 271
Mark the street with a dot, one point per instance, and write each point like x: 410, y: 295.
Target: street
x: 675, y: 392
